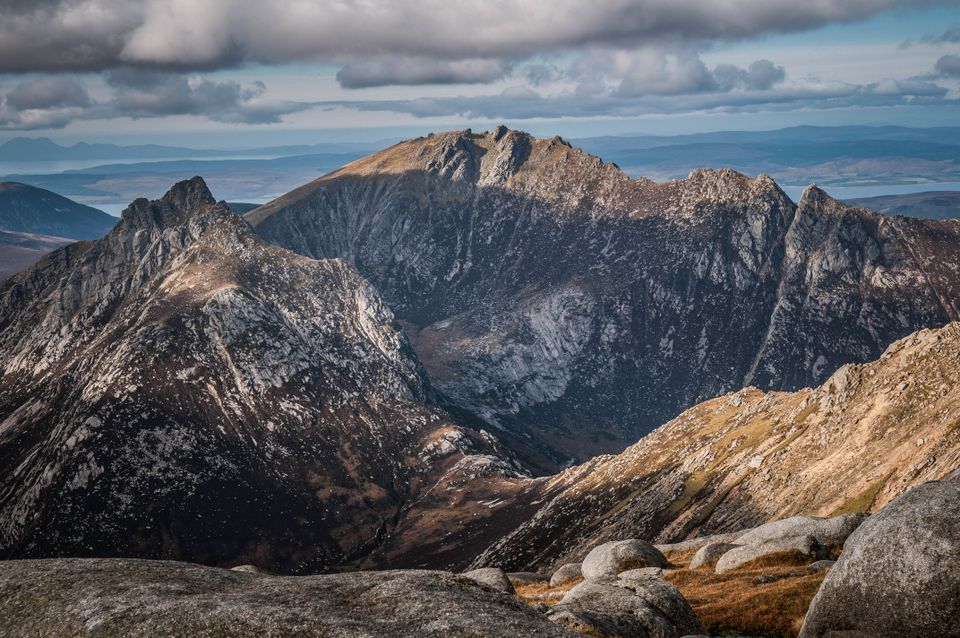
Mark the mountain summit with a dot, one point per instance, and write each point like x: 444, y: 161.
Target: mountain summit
x: 573, y: 309
x: 182, y: 389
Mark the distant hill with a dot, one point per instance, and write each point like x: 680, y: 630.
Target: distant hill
x: 26, y: 149
x: 19, y: 251
x: 929, y: 204
x: 28, y: 209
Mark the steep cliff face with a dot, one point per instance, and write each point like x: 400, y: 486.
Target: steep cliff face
x: 183, y: 389
x: 575, y: 309
x: 868, y: 434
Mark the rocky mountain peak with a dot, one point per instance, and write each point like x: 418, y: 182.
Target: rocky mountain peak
x: 188, y: 194
x: 813, y: 196
x: 184, y: 200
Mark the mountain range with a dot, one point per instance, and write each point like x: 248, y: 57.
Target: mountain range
x: 392, y: 365
x: 573, y: 309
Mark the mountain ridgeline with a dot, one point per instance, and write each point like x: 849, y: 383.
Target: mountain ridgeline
x: 574, y: 309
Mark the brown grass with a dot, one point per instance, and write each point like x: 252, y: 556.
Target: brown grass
x: 528, y: 592
x: 732, y: 603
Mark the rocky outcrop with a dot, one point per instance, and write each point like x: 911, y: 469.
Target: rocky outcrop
x: 805, y: 546
x: 123, y: 597
x: 575, y: 309
x: 637, y: 607
x: 828, y: 532
x: 182, y: 389
x: 710, y: 553
x: 611, y: 558
x: 492, y: 577
x: 897, y: 575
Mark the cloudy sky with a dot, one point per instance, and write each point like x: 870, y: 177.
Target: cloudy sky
x: 309, y: 70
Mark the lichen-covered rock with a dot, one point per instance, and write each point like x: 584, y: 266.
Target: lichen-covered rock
x: 116, y: 598
x: 898, y: 574
x: 565, y: 573
x: 642, y: 607
x: 710, y: 553
x: 641, y: 572
x: 829, y: 532
x: 611, y: 558
x: 738, y: 556
x: 493, y: 577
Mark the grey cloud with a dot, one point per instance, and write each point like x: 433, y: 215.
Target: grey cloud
x: 759, y: 76
x: 47, y: 93
x: 139, y: 94
x: 414, y: 71
x: 948, y: 66
x: 541, y: 73
x: 186, y: 34
x: 914, y: 87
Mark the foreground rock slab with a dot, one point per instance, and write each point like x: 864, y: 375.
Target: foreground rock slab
x: 898, y: 574
x: 633, y: 608
x: 493, y: 577
x: 127, y: 597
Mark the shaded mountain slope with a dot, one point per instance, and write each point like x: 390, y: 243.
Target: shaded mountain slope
x: 182, y: 389
x: 552, y: 297
x: 28, y: 209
